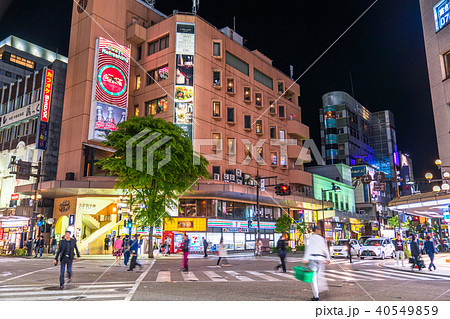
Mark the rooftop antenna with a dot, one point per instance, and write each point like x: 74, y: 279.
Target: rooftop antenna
x: 234, y: 23
x: 291, y: 69
x: 351, y: 83
x: 195, y: 6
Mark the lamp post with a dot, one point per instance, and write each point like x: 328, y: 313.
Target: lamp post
x: 334, y: 188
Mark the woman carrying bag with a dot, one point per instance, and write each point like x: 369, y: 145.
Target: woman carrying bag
x: 118, y: 249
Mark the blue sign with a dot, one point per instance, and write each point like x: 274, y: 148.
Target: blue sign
x: 358, y: 171
x: 447, y: 217
x: 442, y: 14
x: 71, y: 220
x: 42, y: 135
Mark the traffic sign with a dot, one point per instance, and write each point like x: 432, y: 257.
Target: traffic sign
x: 366, y: 179
x: 379, y: 187
x: 262, y: 183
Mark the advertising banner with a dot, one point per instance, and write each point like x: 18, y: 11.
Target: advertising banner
x: 442, y: 14
x: 20, y: 114
x: 184, y: 77
x: 41, y: 137
x: 109, y: 89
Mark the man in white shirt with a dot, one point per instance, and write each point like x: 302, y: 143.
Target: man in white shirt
x: 317, y: 255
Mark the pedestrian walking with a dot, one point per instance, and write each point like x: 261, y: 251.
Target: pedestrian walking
x: 126, y: 250
x: 167, y: 243
x: 113, y: 240
x: 53, y: 244
x: 430, y: 249
x: 41, y: 245
x: 415, y: 253
x: 134, y: 253
x: 36, y: 246
x: 66, y: 253
x: 118, y: 249
x: 258, y: 247
x: 281, y: 250
x: 349, y: 250
x: 317, y: 255
x: 185, y: 252
x: 29, y: 246
x: 222, y: 253
x: 205, y: 246
x: 106, y: 246
x: 399, y: 248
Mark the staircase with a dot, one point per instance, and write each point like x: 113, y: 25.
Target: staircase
x: 83, y: 246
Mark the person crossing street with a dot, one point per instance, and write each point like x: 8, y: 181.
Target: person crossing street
x: 185, y: 253
x: 399, y: 249
x: 281, y: 249
x: 134, y: 253
x: 430, y: 249
x: 66, y: 254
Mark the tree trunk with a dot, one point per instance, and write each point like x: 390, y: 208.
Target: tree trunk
x: 150, y: 243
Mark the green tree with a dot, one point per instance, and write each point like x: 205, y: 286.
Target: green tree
x: 153, y: 187
x: 393, y: 221
x: 283, y: 224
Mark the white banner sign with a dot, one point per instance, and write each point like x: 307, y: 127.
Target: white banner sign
x: 20, y: 114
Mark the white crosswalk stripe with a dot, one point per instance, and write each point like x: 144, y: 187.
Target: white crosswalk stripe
x: 263, y: 276
x: 213, y: 276
x: 238, y: 276
x: 163, y: 276
x: 189, y: 276
x: 99, y: 291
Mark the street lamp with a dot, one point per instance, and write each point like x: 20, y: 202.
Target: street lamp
x: 334, y: 188
x: 429, y: 177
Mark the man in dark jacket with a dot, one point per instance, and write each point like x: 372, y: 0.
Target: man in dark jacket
x: 281, y: 249
x: 126, y: 249
x: 415, y: 252
x: 185, y: 253
x: 205, y: 247
x: 36, y: 246
x: 66, y: 253
x: 134, y: 253
x: 349, y: 250
x: 430, y: 250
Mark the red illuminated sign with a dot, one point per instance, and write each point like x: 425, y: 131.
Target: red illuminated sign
x: 14, y: 196
x: 1, y: 233
x: 112, y: 80
x: 47, y: 95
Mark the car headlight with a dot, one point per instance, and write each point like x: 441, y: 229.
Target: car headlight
x: 345, y: 248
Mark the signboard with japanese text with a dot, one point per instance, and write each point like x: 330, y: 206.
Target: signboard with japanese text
x: 42, y: 130
x: 442, y: 14
x: 110, y: 88
x: 21, y: 114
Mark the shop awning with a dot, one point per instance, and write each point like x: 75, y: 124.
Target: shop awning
x: 429, y: 205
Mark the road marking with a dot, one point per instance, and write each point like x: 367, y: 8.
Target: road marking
x: 213, y: 276
x: 81, y: 297
x: 282, y: 274
x: 238, y: 276
x: 350, y: 273
x: 163, y: 276
x: 189, y: 276
x: 424, y: 275
x: 394, y: 275
x: 263, y: 276
x: 138, y: 281
x: 58, y: 292
x: 26, y: 274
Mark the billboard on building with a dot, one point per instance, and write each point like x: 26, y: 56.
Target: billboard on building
x: 42, y: 131
x: 184, y: 77
x: 109, y: 88
x: 442, y: 14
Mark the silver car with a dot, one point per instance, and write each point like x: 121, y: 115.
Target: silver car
x: 339, y: 248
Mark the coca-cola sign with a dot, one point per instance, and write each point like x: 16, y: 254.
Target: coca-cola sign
x: 112, y: 80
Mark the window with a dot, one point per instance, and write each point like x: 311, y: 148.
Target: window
x: 446, y: 57
x: 136, y: 110
x: 281, y: 111
x: 217, y: 146
x: 216, y: 78
x: 248, y: 150
x: 139, y: 52
x: 258, y: 99
x: 230, y: 85
x: 280, y: 87
x: 262, y: 78
x: 156, y: 106
x: 272, y: 109
x: 230, y: 114
x: 273, y: 132
x: 273, y: 158
x: 247, y: 94
x: 8, y: 74
x: 138, y: 82
x: 237, y: 63
x: 216, y: 109
x: 158, y: 45
x: 259, y: 128
x: 259, y: 150
x: 217, y: 52
x: 157, y: 74
x: 283, y: 161
x: 282, y: 135
x: 231, y: 145
x: 27, y: 98
x: 36, y: 95
x: 247, y: 122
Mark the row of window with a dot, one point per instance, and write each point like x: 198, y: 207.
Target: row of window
x: 16, y: 131
x: 259, y: 156
x: 216, y: 112
x: 20, y: 102
x: 158, y: 45
x: 154, y: 76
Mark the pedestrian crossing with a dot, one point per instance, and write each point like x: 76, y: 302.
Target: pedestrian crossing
x: 84, y: 291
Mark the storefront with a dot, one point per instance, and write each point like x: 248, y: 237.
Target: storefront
x: 13, y: 232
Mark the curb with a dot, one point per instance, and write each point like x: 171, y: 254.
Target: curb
x: 413, y: 271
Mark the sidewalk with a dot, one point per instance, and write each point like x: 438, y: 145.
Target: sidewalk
x: 440, y: 260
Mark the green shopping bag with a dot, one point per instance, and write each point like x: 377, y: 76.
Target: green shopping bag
x: 303, y: 274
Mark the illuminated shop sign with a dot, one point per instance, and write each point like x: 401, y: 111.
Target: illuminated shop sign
x: 42, y: 132
x: 109, y: 89
x: 14, y: 224
x: 185, y: 224
x: 442, y: 14
x: 224, y: 223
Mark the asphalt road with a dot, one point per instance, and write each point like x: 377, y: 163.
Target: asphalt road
x: 247, y: 278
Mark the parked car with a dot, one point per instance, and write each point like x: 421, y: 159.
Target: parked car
x: 446, y: 244
x: 362, y: 239
x: 377, y: 247
x: 339, y: 248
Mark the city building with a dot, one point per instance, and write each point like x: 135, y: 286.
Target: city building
x: 30, y: 124
x: 181, y: 69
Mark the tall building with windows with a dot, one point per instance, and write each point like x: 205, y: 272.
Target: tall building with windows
x: 184, y: 70
x: 436, y: 32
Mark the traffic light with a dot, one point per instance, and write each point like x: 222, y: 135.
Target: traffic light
x: 283, y: 189
x: 249, y: 223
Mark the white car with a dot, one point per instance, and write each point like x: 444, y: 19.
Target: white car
x: 377, y: 247
x: 339, y: 248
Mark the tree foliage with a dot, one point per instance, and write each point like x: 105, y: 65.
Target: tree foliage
x: 153, y: 187
x: 283, y: 224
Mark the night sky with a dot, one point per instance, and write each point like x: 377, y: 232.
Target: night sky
x: 384, y: 52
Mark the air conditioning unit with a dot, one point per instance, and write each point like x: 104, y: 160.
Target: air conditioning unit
x: 238, y: 173
x: 239, y: 181
x: 226, y: 177
x: 232, y: 178
x: 216, y: 177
